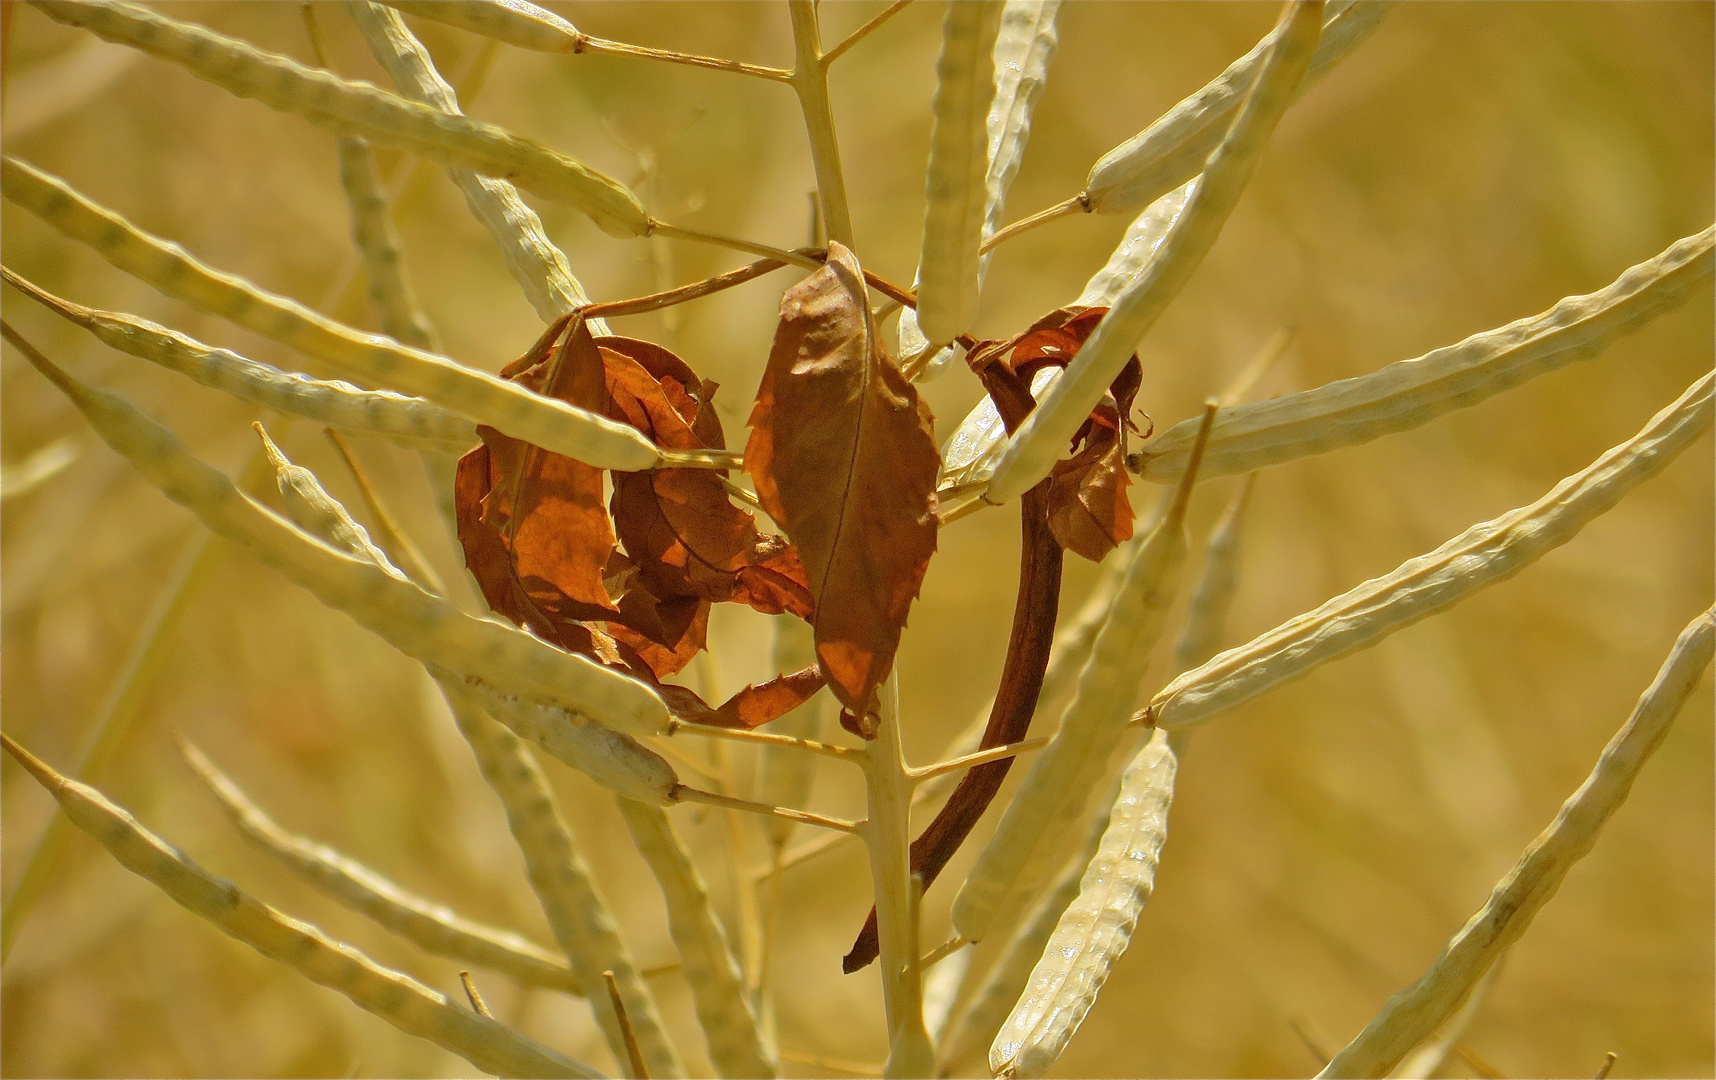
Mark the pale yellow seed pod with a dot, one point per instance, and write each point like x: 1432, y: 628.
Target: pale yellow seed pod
x: 1410, y: 393
x: 611, y: 758
x: 955, y: 193
x: 506, y: 406
x: 1484, y: 554
x: 1212, y: 595
x: 722, y: 998
x: 1144, y: 237
x: 516, y: 22
x: 350, y: 108
x: 1034, y: 448
x: 1173, y: 149
x: 312, y: 509
x: 394, y: 996
x: 785, y: 776
x: 1096, y: 927
x: 378, y: 243
x: 410, y: 421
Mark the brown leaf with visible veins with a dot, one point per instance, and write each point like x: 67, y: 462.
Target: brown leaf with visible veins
x: 535, y: 533
x: 844, y: 457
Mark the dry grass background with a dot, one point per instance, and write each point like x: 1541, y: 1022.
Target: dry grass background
x: 1468, y: 166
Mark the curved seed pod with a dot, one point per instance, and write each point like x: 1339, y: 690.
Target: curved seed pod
x: 1022, y: 850
x: 579, y: 918
x: 1212, y: 596
x: 349, y: 108
x: 1033, y: 449
x: 506, y: 406
x: 424, y: 627
x: 1136, y: 249
x: 432, y: 927
x: 723, y: 1000
x: 954, y: 192
x: 538, y: 266
x: 378, y: 243
x: 1095, y: 929
x: 312, y: 509
x: 1173, y: 149
x: 394, y: 996
x: 516, y: 22
x: 969, y: 454
x: 1414, y: 1013
x: 786, y: 775
x: 407, y: 420
x: 1484, y: 554
x: 1410, y: 393
x: 611, y: 758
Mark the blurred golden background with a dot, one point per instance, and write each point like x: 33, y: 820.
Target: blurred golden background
x: 1468, y: 166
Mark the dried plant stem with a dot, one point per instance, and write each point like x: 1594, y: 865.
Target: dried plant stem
x: 662, y: 228
x: 391, y: 995
x: 809, y: 80
x: 478, y: 1005
x: 766, y: 738
x: 1413, y: 1014
x: 690, y: 794
x: 431, y: 926
x: 1074, y: 205
x: 887, y: 834
x: 864, y: 31
x: 708, y: 286
x: 634, y: 1056
x: 981, y: 757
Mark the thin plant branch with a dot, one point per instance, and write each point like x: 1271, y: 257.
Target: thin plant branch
x: 479, y: 1006
x: 863, y: 31
x: 810, y: 82
x: 707, y: 287
x: 634, y: 1056
x: 994, y: 753
x: 677, y: 232
x: 1079, y: 203
x: 682, y: 793
x: 765, y: 738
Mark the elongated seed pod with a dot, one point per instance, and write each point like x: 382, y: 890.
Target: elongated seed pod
x: 577, y: 915
x: 968, y: 456
x: 378, y: 243
x: 1096, y: 928
x: 1212, y: 595
x: 1033, y: 449
x: 536, y: 264
x: 312, y: 509
x: 1022, y: 851
x: 409, y: 421
x: 785, y: 776
x: 432, y: 927
x: 1173, y: 149
x: 508, y: 407
x: 1410, y: 393
x: 349, y: 108
x: 423, y: 626
x: 1415, y: 1012
x: 954, y: 191
x: 394, y: 996
x: 1136, y: 250
x: 942, y: 986
x: 1024, y: 46
x: 516, y: 22
x: 718, y: 988
x: 611, y: 758
x: 1484, y: 554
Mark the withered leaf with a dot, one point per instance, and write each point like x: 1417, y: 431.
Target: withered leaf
x: 844, y: 457
x: 751, y: 707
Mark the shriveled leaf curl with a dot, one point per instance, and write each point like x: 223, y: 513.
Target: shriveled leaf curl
x: 844, y: 457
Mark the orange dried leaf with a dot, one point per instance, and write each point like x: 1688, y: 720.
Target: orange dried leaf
x: 751, y: 707
x: 844, y: 457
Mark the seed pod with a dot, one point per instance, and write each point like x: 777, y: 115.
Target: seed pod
x: 409, y: 421
x: 506, y: 406
x: 1212, y: 596
x: 723, y: 1001
x: 1095, y: 929
x: 1174, y: 149
x: 312, y: 509
x: 1410, y: 393
x: 611, y: 758
x: 424, y: 627
x: 1481, y: 556
x: 1144, y: 237
x: 394, y: 996
x: 954, y: 192
x: 516, y: 22
x: 1034, y: 448
x: 377, y: 242
x: 349, y: 108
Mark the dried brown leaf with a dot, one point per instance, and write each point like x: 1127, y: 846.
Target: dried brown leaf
x: 751, y: 707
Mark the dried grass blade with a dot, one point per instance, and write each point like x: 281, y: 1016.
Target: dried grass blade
x: 1484, y: 554
x: 1410, y: 393
x: 582, y: 923
x: 350, y: 108
x: 1173, y: 149
x: 954, y: 190
x: 723, y: 1001
x: 1096, y: 928
x: 1415, y: 1012
x: 482, y: 397
x: 431, y: 926
x: 535, y: 262
x: 391, y: 995
x: 425, y: 627
x: 1033, y: 449
x: 407, y: 420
